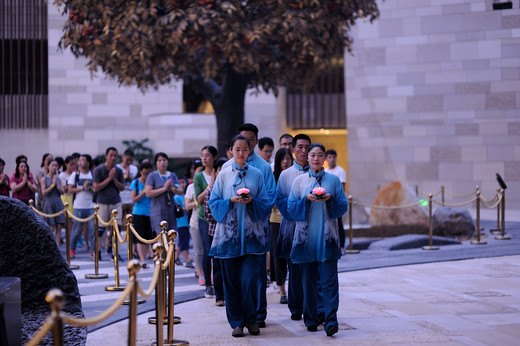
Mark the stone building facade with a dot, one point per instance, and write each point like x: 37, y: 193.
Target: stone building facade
x: 433, y: 97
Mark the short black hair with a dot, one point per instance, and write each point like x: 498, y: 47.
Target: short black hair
x: 76, y: 155
x: 220, y: 162
x: 69, y: 158
x: 300, y: 136
x: 110, y: 148
x: 60, y: 161
x: 317, y: 145
x: 145, y: 165
x: 239, y: 138
x: 331, y: 152
x: 2, y: 162
x: 265, y: 141
x: 249, y: 127
x: 88, y: 157
x: 21, y: 158
x: 129, y: 152
x: 285, y: 135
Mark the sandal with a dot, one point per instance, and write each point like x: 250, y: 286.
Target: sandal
x: 178, y: 262
x: 189, y: 264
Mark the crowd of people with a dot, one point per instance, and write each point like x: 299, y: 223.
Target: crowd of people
x: 253, y: 220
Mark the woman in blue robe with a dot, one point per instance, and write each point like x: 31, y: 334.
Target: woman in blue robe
x: 240, y: 236
x: 316, y: 238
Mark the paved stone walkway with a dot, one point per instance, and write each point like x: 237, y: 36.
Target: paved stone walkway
x: 467, y: 302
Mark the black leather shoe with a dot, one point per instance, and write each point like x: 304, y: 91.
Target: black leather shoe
x: 238, y: 332
x: 321, y: 318
x: 253, y: 328
x: 332, y: 330
x: 312, y: 328
x: 261, y: 324
x: 296, y: 317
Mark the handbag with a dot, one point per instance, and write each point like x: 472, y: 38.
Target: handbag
x: 179, y: 212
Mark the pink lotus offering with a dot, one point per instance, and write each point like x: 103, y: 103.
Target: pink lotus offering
x: 243, y: 193
x: 318, y: 192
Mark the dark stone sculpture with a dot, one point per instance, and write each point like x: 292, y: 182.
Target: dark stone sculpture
x: 28, y: 250
x: 453, y: 222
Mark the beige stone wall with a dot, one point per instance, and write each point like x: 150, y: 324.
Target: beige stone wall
x: 433, y: 97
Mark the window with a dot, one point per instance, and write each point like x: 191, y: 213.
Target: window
x: 23, y: 64
x: 320, y: 106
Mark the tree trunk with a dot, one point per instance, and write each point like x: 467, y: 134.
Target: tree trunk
x: 228, y: 100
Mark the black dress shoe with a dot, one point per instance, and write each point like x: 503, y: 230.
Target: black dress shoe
x: 253, y: 328
x: 261, y: 324
x: 296, y: 317
x: 312, y: 328
x: 332, y: 330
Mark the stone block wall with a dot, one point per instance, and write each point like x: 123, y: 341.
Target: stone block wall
x: 433, y: 97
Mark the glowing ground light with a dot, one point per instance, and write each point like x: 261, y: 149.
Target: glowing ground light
x: 424, y: 202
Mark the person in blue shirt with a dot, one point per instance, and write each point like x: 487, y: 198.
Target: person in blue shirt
x: 300, y: 148
x: 315, y: 244
x: 240, y: 240
x: 183, y: 232
x: 141, y: 212
x: 250, y: 132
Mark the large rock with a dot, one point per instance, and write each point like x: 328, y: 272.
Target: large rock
x: 453, y: 222
x: 28, y: 251
x: 409, y: 241
x: 395, y: 194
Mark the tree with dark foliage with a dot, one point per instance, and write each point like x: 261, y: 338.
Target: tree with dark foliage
x: 220, y: 47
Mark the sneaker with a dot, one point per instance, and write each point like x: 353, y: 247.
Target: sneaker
x: 190, y: 264
x: 210, y: 293
x: 284, y: 300
x: 253, y: 328
x: 332, y: 330
x: 261, y: 324
x: 220, y: 303
x: 312, y: 329
x: 238, y: 332
x: 72, y: 253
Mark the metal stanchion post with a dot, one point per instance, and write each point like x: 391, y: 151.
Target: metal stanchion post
x: 503, y: 236
x: 129, y: 242
x: 115, y: 247
x: 351, y: 231
x: 442, y: 194
x: 67, y: 236
x: 133, y: 267
x: 478, y: 241
x: 171, y: 296
x: 177, y: 319
x: 430, y: 247
x: 56, y: 299
x: 96, y: 274
x: 417, y: 189
x: 159, y: 296
x: 497, y: 230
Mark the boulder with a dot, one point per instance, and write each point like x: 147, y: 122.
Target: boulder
x: 453, y: 222
x: 396, y: 194
x: 28, y: 251
x: 409, y: 241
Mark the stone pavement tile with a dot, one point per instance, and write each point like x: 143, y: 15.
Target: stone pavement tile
x: 491, y: 337
x: 494, y: 319
x: 475, y: 308
x: 414, y: 308
x: 452, y: 322
x: 359, y: 308
x: 513, y: 329
x: 381, y: 296
x: 383, y: 324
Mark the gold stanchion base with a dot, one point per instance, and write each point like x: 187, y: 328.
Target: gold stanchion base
x: 153, y: 320
x: 503, y: 237
x: 139, y: 301
x: 430, y: 248
x: 173, y: 343
x: 73, y: 267
x: 96, y: 276
x: 115, y: 288
x: 351, y: 252
x: 476, y: 242
x: 495, y: 231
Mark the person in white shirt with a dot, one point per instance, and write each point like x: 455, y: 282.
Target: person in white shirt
x: 129, y: 173
x: 80, y: 184
x: 331, y: 156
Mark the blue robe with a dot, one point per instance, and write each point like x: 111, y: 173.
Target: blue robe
x: 240, y: 227
x: 285, y: 235
x: 316, y: 237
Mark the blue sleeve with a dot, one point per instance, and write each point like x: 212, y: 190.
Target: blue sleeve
x: 297, y: 207
x: 281, y: 202
x: 175, y: 180
x: 270, y: 188
x: 219, y: 206
x: 133, y: 185
x: 338, y: 204
x: 261, y: 203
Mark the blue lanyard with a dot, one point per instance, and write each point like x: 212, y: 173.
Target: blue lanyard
x: 160, y: 176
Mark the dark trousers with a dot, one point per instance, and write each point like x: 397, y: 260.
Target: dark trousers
x: 341, y: 232
x: 206, y: 244
x: 240, y: 276
x: 262, y: 288
x: 278, y: 271
x: 217, y: 279
x: 324, y: 275
x: 295, y: 288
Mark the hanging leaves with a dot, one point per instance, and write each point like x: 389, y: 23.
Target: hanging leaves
x: 148, y: 43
